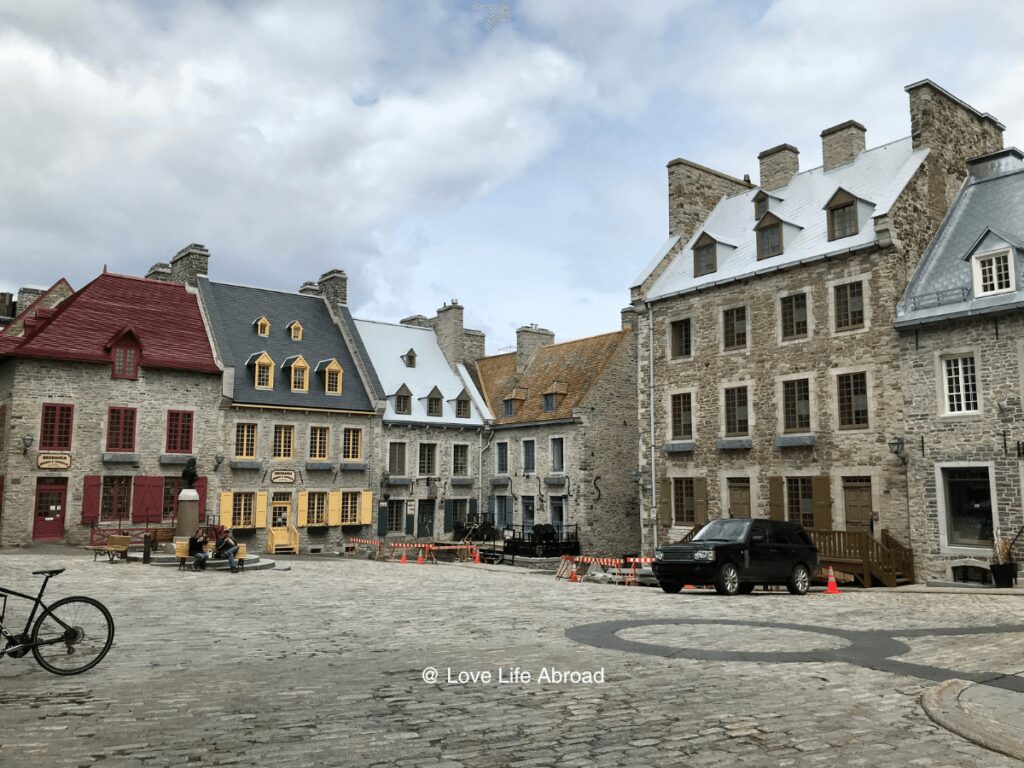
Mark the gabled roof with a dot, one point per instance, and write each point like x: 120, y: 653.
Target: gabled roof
x: 163, y: 316
x: 388, y: 343
x: 230, y: 309
x: 988, y: 213
x: 571, y: 365
x: 878, y: 175
x: 47, y: 301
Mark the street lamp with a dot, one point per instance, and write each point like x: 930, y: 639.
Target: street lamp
x: 896, y: 449
x: 26, y: 442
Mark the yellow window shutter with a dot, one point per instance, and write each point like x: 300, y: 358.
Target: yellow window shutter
x: 366, y: 507
x: 260, y: 518
x: 226, y: 499
x: 334, y: 508
x: 303, y: 509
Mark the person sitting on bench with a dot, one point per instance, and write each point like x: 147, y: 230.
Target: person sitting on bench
x: 228, y: 547
x: 196, y: 549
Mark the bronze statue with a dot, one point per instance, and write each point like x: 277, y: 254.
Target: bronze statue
x: 189, y: 475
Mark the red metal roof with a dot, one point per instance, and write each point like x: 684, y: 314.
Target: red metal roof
x: 163, y: 316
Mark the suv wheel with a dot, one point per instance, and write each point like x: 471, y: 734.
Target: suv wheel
x: 746, y: 587
x: 670, y: 586
x: 728, y: 580
x: 799, y: 580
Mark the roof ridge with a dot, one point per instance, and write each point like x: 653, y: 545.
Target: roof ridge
x: 293, y: 294
x: 393, y: 325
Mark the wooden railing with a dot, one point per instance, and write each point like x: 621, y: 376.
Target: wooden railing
x: 688, y: 536
x: 859, y: 553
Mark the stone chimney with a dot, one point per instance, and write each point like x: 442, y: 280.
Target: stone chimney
x: 529, y: 340
x: 310, y: 288
x: 26, y: 295
x: 160, y: 271
x: 841, y: 144
x: 995, y: 164
x: 6, y: 305
x: 954, y: 131
x: 334, y: 287
x: 190, y: 263
x: 450, y: 332
x: 778, y: 165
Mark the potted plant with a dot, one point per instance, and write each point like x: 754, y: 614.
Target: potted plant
x: 1003, y: 568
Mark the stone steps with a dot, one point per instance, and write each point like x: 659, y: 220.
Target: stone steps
x: 253, y: 562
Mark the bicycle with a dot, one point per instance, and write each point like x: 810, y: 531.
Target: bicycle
x: 71, y: 630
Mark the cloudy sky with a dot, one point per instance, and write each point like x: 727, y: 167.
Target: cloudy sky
x: 520, y: 169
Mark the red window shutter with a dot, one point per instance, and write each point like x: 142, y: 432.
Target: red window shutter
x: 200, y: 488
x: 156, y: 499
x: 140, y: 500
x: 91, y: 500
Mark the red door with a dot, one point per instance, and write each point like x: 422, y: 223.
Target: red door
x: 51, y: 494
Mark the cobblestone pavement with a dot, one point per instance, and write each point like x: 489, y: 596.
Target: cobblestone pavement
x: 323, y: 665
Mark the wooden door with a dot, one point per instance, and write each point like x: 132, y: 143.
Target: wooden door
x: 739, y: 496
x: 857, y: 499
x: 48, y: 520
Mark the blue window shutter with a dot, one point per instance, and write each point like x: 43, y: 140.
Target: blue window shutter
x: 472, y: 509
x: 382, y: 520
x: 449, y: 515
x: 410, y: 523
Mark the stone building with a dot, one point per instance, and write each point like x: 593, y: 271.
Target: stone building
x: 299, y: 420
x: 30, y: 303
x: 563, y: 446
x: 962, y: 355
x: 769, y: 378
x: 103, y: 398
x: 429, y: 454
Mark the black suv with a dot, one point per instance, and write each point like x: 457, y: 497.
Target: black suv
x: 738, y: 554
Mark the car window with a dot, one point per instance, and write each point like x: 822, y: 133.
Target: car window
x: 758, y: 529
x: 723, y: 530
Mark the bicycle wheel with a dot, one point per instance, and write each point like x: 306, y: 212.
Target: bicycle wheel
x: 75, y: 634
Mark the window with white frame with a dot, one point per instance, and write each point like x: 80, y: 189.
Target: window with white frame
x: 734, y: 328
x: 557, y: 454
x: 529, y: 457
x: 682, y: 416
x: 501, y: 458
x: 736, y: 419
x: 796, y: 405
x: 961, y: 384
x: 993, y: 273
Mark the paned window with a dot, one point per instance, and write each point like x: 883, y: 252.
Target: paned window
x: 529, y: 456
x: 799, y: 502
x: 245, y: 441
x: 396, y: 459
x: 557, y: 454
x: 853, y: 400
x: 548, y: 402
x: 350, y: 507
x: 682, y: 416
x: 179, y: 431
x: 333, y: 382
x: 319, y: 438
x: 462, y: 409
x: 55, y: 434
x: 993, y: 273
x: 316, y: 506
x: 684, y: 508
x: 396, y: 516
x: 961, y: 384
x: 842, y: 221
x: 115, y: 499
x: 794, y: 316
x: 508, y: 408
x: 769, y: 241
x: 403, y: 404
x: 849, y: 306
x: 284, y: 443
x: 241, y: 511
x: 121, y: 429
x: 460, y: 459
x: 796, y: 405
x: 704, y: 259
x: 501, y: 458
x: 428, y: 459
x: 433, y: 406
x: 126, y: 363
x: 352, y: 444
x: 736, y: 421
x: 734, y: 328
x: 682, y: 341
x: 172, y: 487
x: 264, y: 376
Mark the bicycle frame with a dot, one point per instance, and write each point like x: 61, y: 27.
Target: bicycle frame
x: 37, y: 602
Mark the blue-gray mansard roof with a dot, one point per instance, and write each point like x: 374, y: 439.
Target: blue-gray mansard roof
x: 987, y: 215
x: 232, y: 311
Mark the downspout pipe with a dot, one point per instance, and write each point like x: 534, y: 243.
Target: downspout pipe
x: 650, y: 408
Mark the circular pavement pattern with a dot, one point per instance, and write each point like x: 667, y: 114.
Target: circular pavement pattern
x: 765, y: 639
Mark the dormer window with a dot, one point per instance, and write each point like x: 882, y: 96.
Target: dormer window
x: 548, y: 403
x: 403, y: 401
x: 841, y: 210
x: 295, y: 330
x: 760, y: 205
x: 332, y: 376
x: 262, y: 326
x: 462, y: 408
x: 125, y: 363
x: 508, y: 407
x: 300, y: 376
x: 769, y: 239
x: 433, y: 406
x: 705, y: 257
x: 409, y: 358
x: 263, y: 376
x: 993, y: 273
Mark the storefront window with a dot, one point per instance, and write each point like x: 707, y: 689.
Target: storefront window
x: 968, y: 506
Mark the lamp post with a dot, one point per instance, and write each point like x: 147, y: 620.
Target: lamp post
x: 26, y: 443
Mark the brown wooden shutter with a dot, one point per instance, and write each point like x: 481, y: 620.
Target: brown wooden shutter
x: 776, y: 499
x: 665, y: 502
x: 200, y: 487
x: 821, y: 497
x: 91, y: 500
x: 700, y: 500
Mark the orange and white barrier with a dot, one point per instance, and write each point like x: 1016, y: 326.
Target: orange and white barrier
x: 633, y: 577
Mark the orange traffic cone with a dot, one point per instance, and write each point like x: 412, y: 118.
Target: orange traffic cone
x: 476, y: 556
x: 833, y: 588
x: 688, y: 586
x: 419, y: 558
x: 572, y: 576
x: 403, y: 561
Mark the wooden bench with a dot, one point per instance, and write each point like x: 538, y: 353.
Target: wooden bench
x: 116, y: 547
x: 161, y: 536
x: 181, y: 552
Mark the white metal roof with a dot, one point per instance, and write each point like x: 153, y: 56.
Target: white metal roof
x: 878, y: 175
x: 387, y: 343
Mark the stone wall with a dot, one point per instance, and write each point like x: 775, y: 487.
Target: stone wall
x: 987, y: 439
x: 89, y: 387
x: 836, y: 453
